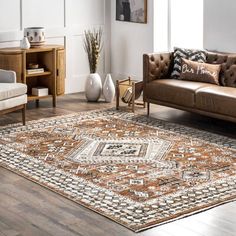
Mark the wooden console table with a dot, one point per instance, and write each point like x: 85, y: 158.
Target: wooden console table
x: 49, y: 57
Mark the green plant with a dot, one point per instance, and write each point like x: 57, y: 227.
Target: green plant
x: 93, y: 47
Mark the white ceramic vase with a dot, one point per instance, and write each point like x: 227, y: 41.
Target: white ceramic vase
x: 24, y: 44
x: 108, y: 89
x: 93, y: 87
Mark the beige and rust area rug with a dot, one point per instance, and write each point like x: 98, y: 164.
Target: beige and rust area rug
x: 138, y: 171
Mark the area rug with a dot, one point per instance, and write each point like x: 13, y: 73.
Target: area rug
x: 138, y: 171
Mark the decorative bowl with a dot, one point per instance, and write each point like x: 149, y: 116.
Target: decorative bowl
x: 33, y: 66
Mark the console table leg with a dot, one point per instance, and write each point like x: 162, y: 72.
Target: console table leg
x: 148, y: 109
x: 133, y: 96
x: 37, y: 102
x: 117, y: 95
x: 54, y: 101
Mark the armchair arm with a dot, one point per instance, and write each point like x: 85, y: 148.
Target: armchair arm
x: 7, y: 76
x: 156, y: 66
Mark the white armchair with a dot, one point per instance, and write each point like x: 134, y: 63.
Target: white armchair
x: 12, y: 95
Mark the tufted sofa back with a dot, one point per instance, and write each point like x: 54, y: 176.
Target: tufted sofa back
x: 157, y: 66
x: 228, y: 70
x: 160, y: 65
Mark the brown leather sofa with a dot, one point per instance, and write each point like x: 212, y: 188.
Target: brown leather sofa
x: 204, y: 98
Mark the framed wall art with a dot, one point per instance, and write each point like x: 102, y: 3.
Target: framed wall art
x: 131, y: 11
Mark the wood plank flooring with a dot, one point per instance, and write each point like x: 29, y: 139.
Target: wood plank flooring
x: 27, y: 209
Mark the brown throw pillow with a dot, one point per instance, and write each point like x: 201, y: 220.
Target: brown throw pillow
x: 200, y: 72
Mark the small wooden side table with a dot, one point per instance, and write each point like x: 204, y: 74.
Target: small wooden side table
x: 136, y: 88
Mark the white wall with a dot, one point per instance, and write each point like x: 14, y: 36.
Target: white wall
x: 219, y: 25
x: 186, y: 23
x: 128, y: 43
x: 65, y: 22
x: 170, y: 23
x: 161, y: 25
x: 124, y: 43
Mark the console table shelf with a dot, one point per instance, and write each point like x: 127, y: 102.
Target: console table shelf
x: 33, y: 98
x: 49, y: 57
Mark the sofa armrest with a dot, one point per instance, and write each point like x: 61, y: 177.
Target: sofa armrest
x: 157, y: 66
x: 7, y: 76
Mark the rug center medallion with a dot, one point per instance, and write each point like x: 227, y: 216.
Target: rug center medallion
x: 122, y: 151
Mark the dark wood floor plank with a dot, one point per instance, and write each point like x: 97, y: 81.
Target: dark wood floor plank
x: 7, y: 229
x: 1, y: 234
x: 28, y: 209
x: 19, y: 224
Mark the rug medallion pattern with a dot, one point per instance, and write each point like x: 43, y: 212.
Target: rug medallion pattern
x: 137, y: 171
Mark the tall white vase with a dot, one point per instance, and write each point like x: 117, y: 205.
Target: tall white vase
x: 108, y: 89
x: 24, y: 44
x: 93, y: 87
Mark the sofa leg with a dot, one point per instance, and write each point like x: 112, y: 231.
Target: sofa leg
x: 148, y: 109
x: 23, y: 114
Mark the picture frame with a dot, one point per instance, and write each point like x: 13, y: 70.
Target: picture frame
x: 131, y: 11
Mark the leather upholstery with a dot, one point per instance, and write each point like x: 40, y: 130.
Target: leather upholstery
x: 228, y: 64
x: 176, y: 91
x: 229, y: 72
x: 157, y: 66
x: 216, y: 58
x: 217, y: 99
x: 200, y: 97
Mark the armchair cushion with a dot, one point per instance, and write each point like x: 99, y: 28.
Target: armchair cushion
x: 10, y: 90
x: 13, y: 102
x: 7, y: 76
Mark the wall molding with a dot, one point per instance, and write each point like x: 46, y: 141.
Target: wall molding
x: 11, y: 36
x: 21, y: 14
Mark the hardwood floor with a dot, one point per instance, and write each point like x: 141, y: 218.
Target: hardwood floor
x: 31, y: 210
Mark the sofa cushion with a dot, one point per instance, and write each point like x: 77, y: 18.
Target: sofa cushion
x: 193, y: 55
x: 10, y: 90
x: 174, y: 91
x: 218, y: 99
x: 200, y: 72
x: 13, y: 102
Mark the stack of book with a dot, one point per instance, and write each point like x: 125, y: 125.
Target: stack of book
x: 127, y: 96
x: 35, y: 71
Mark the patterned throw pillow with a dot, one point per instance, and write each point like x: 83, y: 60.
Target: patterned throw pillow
x: 193, y: 55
